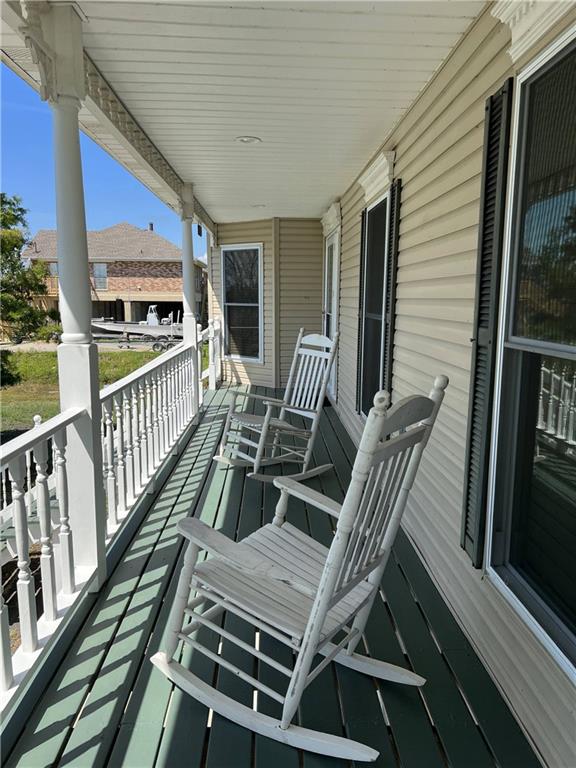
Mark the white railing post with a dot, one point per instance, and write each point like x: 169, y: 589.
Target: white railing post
x: 65, y: 532
x: 25, y: 584
x: 211, y: 356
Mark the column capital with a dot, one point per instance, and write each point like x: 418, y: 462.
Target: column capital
x: 187, y: 202
x: 54, y: 36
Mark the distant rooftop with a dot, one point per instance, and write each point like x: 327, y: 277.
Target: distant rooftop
x: 121, y: 242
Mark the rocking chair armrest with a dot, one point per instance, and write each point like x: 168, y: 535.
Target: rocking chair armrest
x: 264, y: 398
x: 308, y: 495
x: 215, y: 543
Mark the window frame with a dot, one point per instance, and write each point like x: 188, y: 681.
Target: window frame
x: 104, y: 285
x: 364, y: 246
x: 244, y: 247
x: 526, y: 603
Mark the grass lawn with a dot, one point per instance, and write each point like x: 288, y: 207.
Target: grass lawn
x: 37, y: 388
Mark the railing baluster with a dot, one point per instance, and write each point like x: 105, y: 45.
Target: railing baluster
x: 188, y: 388
x: 143, y: 435
x: 6, y: 674
x: 149, y: 426
x: 174, y: 383
x: 199, y: 359
x: 211, y: 357
x: 136, y: 440
x: 47, y: 569
x: 170, y: 403
x: 162, y: 427
x: 109, y: 457
x: 129, y: 441
x: 65, y: 532
x: 25, y: 584
x: 155, y: 420
x: 180, y: 396
x: 120, y: 461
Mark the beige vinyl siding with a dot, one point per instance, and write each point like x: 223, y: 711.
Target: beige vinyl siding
x: 300, y: 282
x: 258, y: 374
x: 438, y: 148
x: 351, y: 204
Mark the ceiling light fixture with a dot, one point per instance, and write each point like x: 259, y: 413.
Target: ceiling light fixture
x: 248, y: 139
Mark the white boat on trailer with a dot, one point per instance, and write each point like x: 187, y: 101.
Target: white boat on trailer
x: 151, y: 329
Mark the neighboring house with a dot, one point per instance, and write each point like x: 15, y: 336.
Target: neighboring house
x: 130, y: 268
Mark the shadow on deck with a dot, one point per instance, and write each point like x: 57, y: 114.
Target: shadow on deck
x: 107, y: 706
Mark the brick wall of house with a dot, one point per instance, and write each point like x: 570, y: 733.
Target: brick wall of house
x: 141, y: 276
x: 146, y: 276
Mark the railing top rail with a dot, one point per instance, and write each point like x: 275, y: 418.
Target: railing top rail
x: 19, y: 445
x: 113, y: 389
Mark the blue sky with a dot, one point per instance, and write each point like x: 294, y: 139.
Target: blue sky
x: 112, y: 194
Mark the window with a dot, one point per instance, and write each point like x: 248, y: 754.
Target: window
x: 53, y: 268
x: 377, y: 300
x: 100, y: 276
x: 242, y: 301
x: 533, y: 547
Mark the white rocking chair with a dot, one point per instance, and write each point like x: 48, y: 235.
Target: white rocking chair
x: 313, y: 599
x: 273, y: 440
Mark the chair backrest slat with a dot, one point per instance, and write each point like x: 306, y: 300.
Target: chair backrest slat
x: 310, y: 371
x: 382, y: 477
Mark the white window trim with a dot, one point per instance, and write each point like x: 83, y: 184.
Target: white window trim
x: 385, y: 196
x: 239, y: 247
x: 378, y: 176
x: 491, y: 574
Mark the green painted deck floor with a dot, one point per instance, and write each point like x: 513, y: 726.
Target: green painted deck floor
x: 108, y: 706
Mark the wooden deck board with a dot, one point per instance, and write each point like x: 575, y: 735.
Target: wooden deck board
x: 107, y: 705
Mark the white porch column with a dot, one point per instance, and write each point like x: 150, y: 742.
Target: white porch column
x: 189, y: 326
x: 54, y: 34
x: 188, y: 285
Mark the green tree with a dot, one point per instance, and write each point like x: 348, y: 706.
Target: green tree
x: 20, y: 283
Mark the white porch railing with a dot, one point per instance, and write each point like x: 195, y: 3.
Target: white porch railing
x: 143, y: 417
x: 557, y: 405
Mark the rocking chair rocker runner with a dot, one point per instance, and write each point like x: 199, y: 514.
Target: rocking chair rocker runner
x: 272, y: 439
x: 313, y: 599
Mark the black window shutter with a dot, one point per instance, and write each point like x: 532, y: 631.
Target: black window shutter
x: 360, y: 314
x: 391, y: 280
x: 492, y: 203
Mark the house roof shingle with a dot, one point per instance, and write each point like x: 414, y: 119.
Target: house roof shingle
x: 121, y: 242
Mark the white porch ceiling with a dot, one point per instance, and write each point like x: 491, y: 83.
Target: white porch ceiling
x: 321, y: 83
